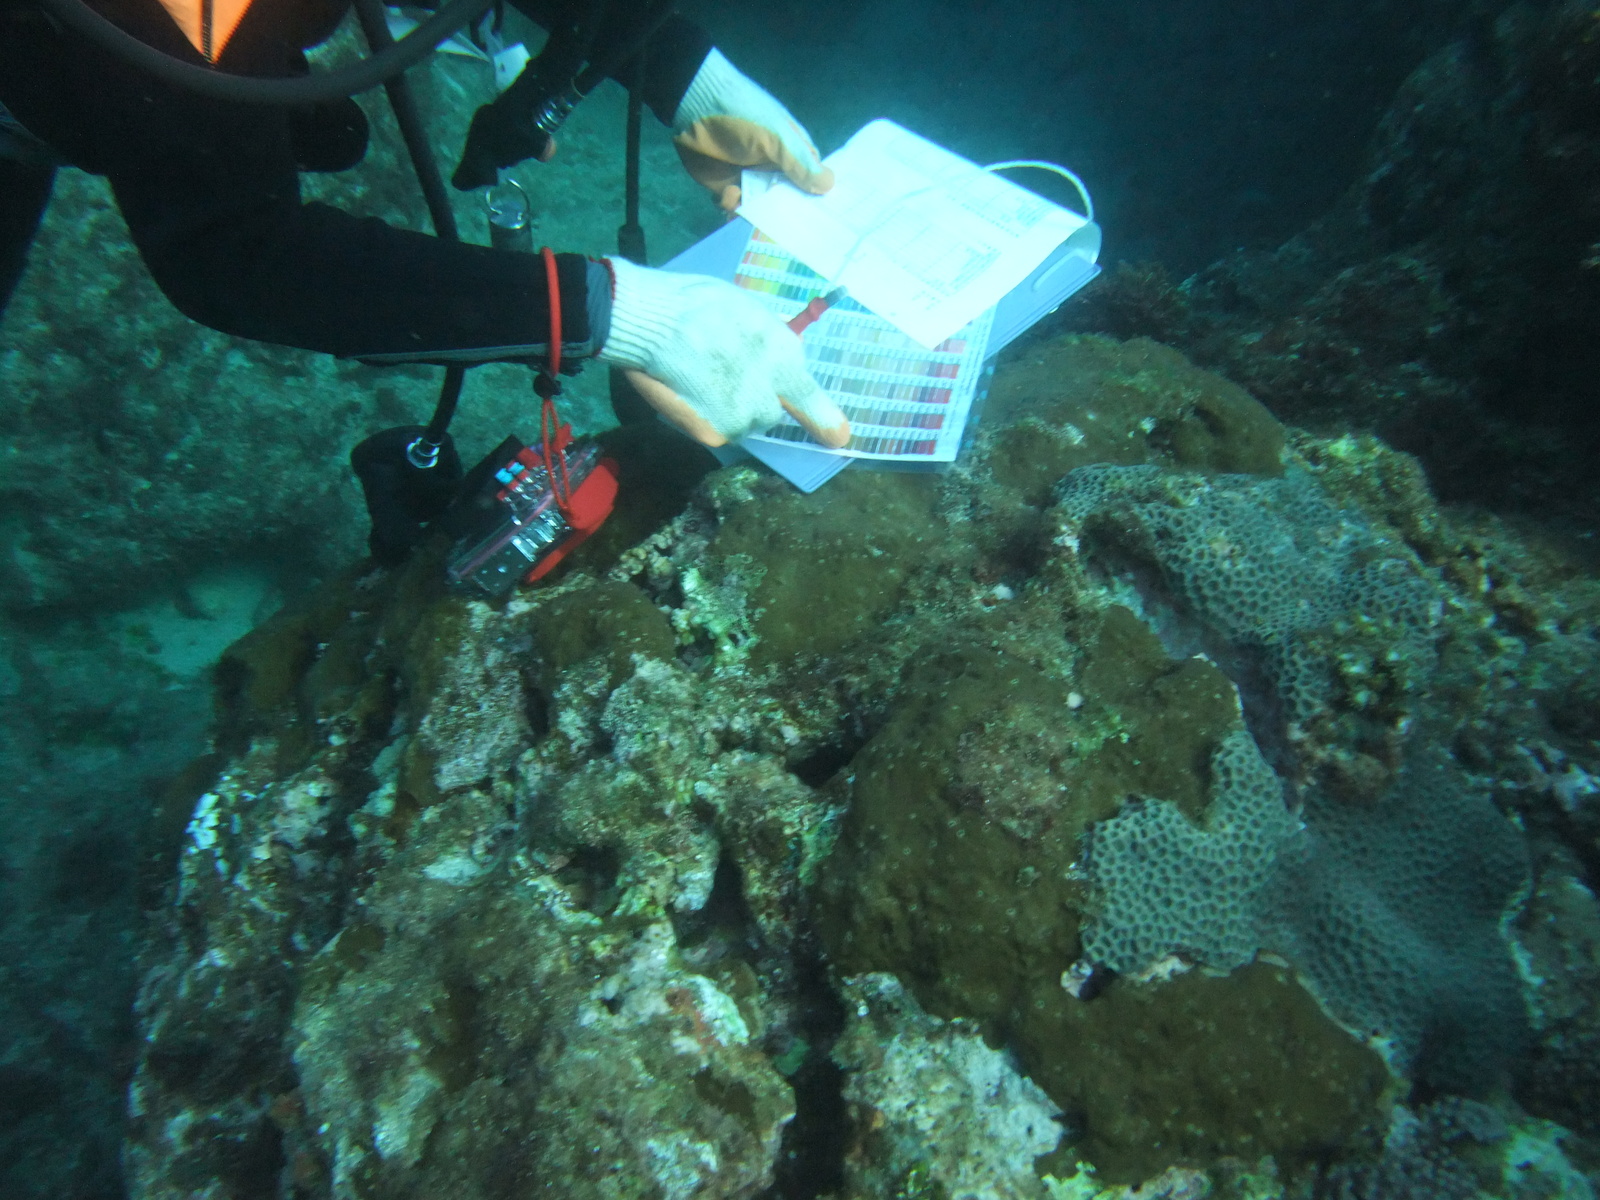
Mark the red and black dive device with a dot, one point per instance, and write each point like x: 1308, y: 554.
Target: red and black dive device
x: 515, y: 522
x: 524, y: 509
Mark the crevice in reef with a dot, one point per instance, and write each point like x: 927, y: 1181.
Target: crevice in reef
x: 724, y: 924
x: 811, y: 1161
x: 590, y: 876
x: 828, y: 759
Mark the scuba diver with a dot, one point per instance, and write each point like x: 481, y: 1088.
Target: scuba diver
x: 209, y: 188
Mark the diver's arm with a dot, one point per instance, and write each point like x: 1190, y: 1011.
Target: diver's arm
x: 239, y: 252
x: 211, y: 196
x: 723, y: 121
x: 226, y: 236
x: 267, y: 267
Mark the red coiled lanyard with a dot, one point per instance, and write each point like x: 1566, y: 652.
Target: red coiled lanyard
x: 552, y: 447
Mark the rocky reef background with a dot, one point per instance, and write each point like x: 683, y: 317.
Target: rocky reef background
x: 1447, y: 299
x: 783, y: 846
x: 900, y: 840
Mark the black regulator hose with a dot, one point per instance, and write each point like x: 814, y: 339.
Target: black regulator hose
x: 375, y: 28
x: 430, y: 450
x: 248, y: 89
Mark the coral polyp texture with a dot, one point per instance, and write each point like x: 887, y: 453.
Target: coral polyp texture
x: 1165, y: 886
x: 1268, y: 567
x: 1390, y: 903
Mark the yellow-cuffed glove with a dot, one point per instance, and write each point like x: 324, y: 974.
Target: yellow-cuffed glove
x: 726, y: 122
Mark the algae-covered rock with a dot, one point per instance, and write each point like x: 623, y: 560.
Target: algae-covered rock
x: 656, y: 810
x: 472, y: 1041
x: 937, y: 881
x: 433, y: 947
x: 580, y: 891
x: 957, y: 870
x: 608, y: 618
x: 832, y: 565
x: 1201, y: 1068
x: 1080, y: 400
x: 1559, y: 939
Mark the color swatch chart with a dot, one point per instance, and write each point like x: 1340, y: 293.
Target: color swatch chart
x: 905, y: 402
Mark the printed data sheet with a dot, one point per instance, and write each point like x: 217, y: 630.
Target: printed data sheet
x: 919, y: 235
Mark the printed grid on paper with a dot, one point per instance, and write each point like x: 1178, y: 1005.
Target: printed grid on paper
x: 904, y: 401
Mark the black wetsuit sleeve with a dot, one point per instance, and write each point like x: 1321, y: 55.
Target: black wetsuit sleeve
x: 260, y: 264
x: 210, y: 192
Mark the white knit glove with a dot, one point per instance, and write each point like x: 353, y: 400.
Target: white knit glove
x: 711, y: 359
x: 726, y: 122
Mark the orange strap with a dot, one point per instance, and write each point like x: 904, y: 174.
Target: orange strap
x: 551, y: 449
x: 208, y: 24
x: 553, y: 283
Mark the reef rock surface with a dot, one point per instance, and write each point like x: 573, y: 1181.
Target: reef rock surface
x: 1160, y: 800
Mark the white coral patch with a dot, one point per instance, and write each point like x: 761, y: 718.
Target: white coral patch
x: 457, y: 869
x: 405, y: 1117
x: 203, y: 825
x: 681, y: 1166
x: 719, y: 1012
x: 950, y: 1101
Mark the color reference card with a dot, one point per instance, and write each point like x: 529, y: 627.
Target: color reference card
x: 906, y: 403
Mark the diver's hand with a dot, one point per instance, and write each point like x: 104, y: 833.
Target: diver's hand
x: 710, y: 359
x: 726, y: 122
